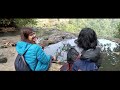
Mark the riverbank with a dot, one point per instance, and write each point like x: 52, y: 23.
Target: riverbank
x: 10, y: 52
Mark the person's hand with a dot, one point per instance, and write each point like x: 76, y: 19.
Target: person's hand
x: 58, y: 61
x: 35, y: 39
x: 53, y: 58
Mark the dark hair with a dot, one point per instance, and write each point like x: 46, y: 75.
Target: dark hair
x: 87, y: 39
x: 25, y: 32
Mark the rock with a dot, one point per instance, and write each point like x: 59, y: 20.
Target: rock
x: 3, y: 46
x: 8, y: 44
x: 55, y: 67
x: 45, y: 43
x: 117, y: 53
x: 4, y: 39
x: 13, y: 44
x: 55, y: 36
x: 3, y: 59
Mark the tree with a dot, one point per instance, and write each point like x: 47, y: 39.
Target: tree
x: 118, y: 32
x: 17, y: 22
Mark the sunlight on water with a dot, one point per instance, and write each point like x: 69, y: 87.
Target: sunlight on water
x: 110, y: 51
x: 107, y: 44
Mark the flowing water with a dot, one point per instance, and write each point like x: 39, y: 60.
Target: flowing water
x: 110, y: 53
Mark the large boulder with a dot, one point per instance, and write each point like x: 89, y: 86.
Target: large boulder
x: 54, y: 36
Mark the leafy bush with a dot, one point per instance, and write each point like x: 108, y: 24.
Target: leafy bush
x: 103, y: 27
x: 118, y: 31
x: 6, y: 22
x: 25, y: 22
x: 17, y: 22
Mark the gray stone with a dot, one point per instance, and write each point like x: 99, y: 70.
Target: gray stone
x: 3, y: 59
x: 3, y: 46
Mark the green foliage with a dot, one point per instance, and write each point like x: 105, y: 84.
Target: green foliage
x: 103, y: 27
x: 118, y: 31
x: 18, y: 22
x: 6, y: 22
x: 25, y: 22
x: 67, y: 27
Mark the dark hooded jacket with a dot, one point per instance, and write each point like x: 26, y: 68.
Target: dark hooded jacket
x: 93, y: 54
x: 87, y: 60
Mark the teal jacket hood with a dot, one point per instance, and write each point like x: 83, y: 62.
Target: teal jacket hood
x: 21, y: 47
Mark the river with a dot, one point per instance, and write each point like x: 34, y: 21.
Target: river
x: 110, y: 53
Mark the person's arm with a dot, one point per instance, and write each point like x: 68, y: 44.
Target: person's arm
x: 92, y: 54
x: 42, y: 56
x: 99, y: 62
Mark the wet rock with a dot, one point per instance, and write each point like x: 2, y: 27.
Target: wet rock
x: 4, y: 39
x: 8, y: 44
x: 54, y: 36
x: 3, y: 46
x: 3, y: 59
x: 3, y: 29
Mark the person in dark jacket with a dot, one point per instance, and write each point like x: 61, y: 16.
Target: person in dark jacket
x: 85, y: 55
x: 90, y: 54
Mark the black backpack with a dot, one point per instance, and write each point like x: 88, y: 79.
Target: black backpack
x: 20, y: 63
x: 75, y: 63
x: 72, y: 56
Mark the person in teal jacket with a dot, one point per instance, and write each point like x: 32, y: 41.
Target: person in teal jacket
x: 35, y: 56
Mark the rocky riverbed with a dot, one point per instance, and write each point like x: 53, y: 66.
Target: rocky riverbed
x: 8, y: 52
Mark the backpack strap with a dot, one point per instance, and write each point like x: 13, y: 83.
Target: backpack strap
x: 26, y: 50
x: 24, y: 59
x: 70, y: 67
x: 79, y: 50
x: 78, y: 57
